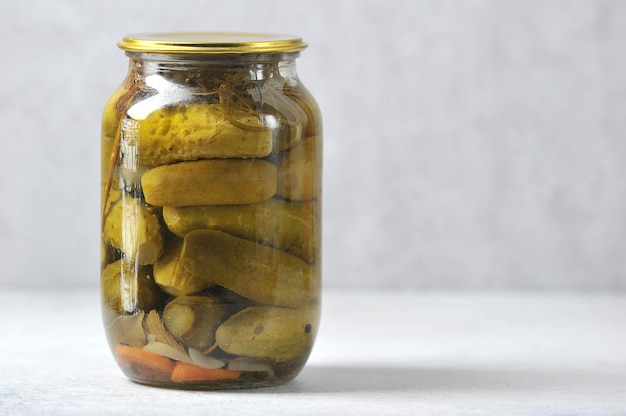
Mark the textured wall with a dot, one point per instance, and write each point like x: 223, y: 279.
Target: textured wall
x: 469, y: 144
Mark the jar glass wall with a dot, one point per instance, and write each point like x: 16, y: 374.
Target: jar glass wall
x: 211, y: 213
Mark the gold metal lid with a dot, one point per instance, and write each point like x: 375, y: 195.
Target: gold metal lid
x: 211, y: 43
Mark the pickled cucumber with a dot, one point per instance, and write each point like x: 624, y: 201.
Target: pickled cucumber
x: 210, y: 182
x: 288, y: 226
x: 192, y: 320
x: 127, y: 288
x: 111, y: 115
x: 114, y: 196
x: 300, y: 171
x: 254, y: 271
x: 176, y: 283
x: 198, y: 131
x: 113, y: 118
x: 303, y: 100
x: 134, y: 228
x: 288, y: 118
x: 278, y: 334
x: 106, y: 254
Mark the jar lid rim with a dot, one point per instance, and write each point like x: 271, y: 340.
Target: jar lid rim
x: 211, y: 43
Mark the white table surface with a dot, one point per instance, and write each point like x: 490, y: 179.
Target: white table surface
x: 441, y: 353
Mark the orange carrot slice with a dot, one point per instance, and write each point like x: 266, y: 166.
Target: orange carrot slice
x: 185, y: 372
x: 139, y: 363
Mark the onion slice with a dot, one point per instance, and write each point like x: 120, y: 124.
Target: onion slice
x: 204, y: 361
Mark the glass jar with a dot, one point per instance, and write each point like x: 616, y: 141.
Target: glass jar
x: 211, y: 211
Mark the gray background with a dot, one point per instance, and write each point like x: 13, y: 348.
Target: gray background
x: 469, y: 144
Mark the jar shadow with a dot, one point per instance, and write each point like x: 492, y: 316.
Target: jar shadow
x: 340, y: 379
x: 344, y: 379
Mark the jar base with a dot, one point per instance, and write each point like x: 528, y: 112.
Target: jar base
x: 237, y: 384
